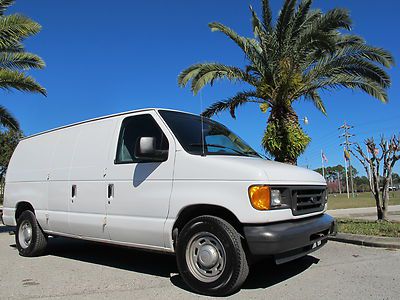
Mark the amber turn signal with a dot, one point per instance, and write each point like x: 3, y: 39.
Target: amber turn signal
x: 260, y: 196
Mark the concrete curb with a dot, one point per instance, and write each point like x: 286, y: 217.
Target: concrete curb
x: 365, y: 240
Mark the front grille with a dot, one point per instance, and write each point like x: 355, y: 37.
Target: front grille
x: 307, y: 200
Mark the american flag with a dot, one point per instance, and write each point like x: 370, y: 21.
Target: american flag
x: 324, y: 158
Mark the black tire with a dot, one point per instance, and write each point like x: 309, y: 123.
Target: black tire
x: 38, y: 240
x: 235, y: 269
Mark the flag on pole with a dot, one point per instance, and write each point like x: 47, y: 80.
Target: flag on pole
x: 346, y: 154
x: 324, y: 158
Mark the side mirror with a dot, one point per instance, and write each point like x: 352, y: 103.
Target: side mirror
x: 145, y: 150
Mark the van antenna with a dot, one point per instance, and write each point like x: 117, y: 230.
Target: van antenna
x: 202, y: 124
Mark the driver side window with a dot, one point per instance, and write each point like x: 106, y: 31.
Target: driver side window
x: 132, y: 129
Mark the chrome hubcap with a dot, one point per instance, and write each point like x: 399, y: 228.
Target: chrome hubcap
x: 205, y: 257
x: 25, y: 234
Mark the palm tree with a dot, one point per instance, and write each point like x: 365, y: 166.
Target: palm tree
x: 304, y: 52
x: 14, y: 60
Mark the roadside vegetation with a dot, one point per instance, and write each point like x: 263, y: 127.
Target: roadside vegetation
x: 337, y: 201
x: 377, y: 228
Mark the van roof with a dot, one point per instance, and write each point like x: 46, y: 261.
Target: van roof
x: 101, y: 118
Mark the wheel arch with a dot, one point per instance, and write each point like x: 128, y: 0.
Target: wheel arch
x: 21, y: 207
x: 192, y: 211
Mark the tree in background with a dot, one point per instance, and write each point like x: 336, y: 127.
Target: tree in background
x: 8, y: 141
x: 381, y: 159
x: 331, y: 175
x: 395, y: 178
x: 14, y: 60
x: 304, y: 52
x: 361, y: 184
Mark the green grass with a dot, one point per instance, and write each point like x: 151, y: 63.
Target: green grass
x: 388, y: 229
x: 361, y: 200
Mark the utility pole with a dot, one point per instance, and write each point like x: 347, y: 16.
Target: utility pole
x: 346, y: 135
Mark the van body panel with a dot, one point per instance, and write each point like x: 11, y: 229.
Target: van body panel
x: 78, y: 188
x: 240, y: 168
x: 138, y: 210
x: 59, y: 186
x: 88, y: 190
x: 8, y: 216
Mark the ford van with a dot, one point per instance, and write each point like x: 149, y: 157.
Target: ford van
x: 167, y: 181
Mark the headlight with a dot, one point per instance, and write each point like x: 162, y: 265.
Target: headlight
x: 276, y: 199
x: 262, y: 197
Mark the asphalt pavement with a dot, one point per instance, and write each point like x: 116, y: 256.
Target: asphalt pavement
x: 75, y: 269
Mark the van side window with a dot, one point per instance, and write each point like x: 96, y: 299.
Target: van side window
x: 131, y: 130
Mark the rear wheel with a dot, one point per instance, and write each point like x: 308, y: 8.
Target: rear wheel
x: 30, y: 239
x: 210, y: 256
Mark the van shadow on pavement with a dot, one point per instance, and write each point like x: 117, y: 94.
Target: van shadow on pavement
x: 264, y: 274
x: 113, y: 256
x: 6, y: 229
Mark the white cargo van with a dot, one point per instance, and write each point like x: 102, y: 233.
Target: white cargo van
x: 170, y: 181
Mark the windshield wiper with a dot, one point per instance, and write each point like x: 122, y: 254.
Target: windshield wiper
x: 220, y: 146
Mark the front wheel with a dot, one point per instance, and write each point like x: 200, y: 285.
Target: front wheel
x: 29, y: 237
x: 210, y: 256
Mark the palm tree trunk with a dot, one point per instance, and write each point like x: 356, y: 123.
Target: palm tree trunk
x: 280, y: 136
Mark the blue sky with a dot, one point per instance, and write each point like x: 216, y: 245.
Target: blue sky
x: 105, y: 57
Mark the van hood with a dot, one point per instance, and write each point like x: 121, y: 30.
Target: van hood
x: 238, y: 168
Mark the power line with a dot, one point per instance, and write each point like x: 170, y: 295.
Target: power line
x: 316, y: 143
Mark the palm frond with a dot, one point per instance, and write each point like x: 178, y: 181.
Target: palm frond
x: 337, y: 18
x: 267, y: 15
x: 351, y: 66
x: 258, y: 27
x: 10, y: 79
x: 20, y: 60
x: 11, y: 47
x: 353, y: 82
x: 315, y: 98
x: 16, y: 27
x: 211, y: 72
x: 285, y: 15
x: 186, y: 75
x: 345, y: 40
x: 235, y: 37
x: 300, y: 17
x: 231, y: 104
x: 207, y: 73
x: 7, y: 120
x: 378, y: 55
x: 4, y: 4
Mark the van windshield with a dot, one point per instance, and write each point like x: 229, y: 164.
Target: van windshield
x: 218, y: 140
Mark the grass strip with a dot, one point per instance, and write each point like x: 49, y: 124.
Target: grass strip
x: 376, y: 228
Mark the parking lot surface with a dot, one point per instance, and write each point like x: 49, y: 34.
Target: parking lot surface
x: 74, y: 269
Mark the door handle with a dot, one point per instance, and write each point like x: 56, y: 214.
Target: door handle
x: 74, y: 191
x: 110, y: 192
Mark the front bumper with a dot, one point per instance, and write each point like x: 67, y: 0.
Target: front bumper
x: 288, y: 240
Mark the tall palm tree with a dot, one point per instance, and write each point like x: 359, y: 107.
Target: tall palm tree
x: 14, y: 60
x: 303, y: 52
